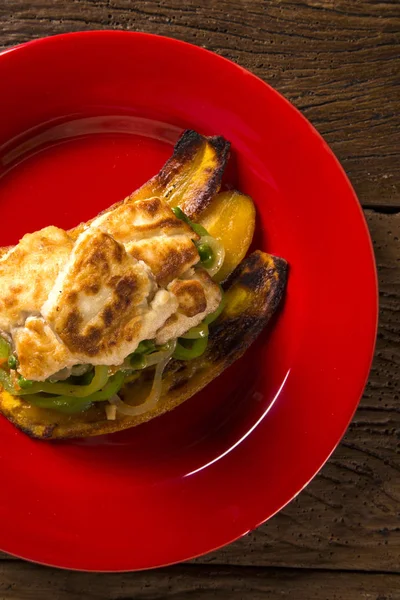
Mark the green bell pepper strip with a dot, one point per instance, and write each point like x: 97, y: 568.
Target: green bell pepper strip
x: 214, y: 316
x: 112, y: 387
x: 196, y: 349
x: 12, y: 362
x: 66, y: 389
x: 206, y: 254
x: 84, y: 379
x: 5, y: 379
x: 70, y: 404
x: 137, y: 361
x: 178, y: 212
x: 25, y: 384
x: 199, y: 229
x: 201, y: 331
x: 5, y: 348
x: 145, y: 346
x: 63, y: 404
x: 6, y: 382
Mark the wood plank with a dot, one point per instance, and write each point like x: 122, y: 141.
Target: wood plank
x: 27, y: 581
x: 337, y: 61
x: 348, y: 517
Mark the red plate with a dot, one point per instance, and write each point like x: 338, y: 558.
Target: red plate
x: 88, y: 117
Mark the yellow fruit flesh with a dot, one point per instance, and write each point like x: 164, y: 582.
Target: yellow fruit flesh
x: 230, y: 218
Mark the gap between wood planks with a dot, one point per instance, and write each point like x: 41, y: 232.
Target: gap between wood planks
x: 23, y: 582
x: 195, y: 566
x: 340, y: 66
x: 385, y: 210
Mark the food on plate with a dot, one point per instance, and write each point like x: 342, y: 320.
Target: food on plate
x: 231, y: 220
x: 124, y: 317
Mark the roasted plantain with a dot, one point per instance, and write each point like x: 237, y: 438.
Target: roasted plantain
x: 189, y: 179
x: 253, y: 293
x: 192, y: 176
x: 230, y: 218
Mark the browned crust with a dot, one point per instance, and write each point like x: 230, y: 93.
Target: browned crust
x: 97, y: 255
x: 199, y: 197
x: 253, y: 293
x: 191, y: 297
x: 172, y: 259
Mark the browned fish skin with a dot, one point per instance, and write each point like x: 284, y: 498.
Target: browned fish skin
x: 253, y: 292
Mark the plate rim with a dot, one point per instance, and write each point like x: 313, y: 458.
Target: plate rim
x: 371, y: 259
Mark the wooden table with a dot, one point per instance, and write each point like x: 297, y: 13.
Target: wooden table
x: 338, y: 61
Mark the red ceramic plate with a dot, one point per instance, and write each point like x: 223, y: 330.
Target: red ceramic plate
x: 87, y: 118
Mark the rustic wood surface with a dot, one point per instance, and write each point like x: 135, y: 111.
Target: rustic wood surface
x: 28, y: 582
x: 338, y: 61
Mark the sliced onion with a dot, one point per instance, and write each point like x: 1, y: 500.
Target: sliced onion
x: 218, y: 251
x: 111, y: 411
x: 157, y: 357
x: 78, y: 370
x: 155, y: 392
x: 60, y: 375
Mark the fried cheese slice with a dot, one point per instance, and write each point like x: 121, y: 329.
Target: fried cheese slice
x: 93, y: 300
x: 28, y: 272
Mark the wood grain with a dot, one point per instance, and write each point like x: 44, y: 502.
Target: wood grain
x: 338, y: 61
x: 349, y: 516
x: 25, y: 581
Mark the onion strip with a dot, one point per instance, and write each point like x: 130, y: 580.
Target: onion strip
x: 156, y: 357
x: 155, y: 392
x: 218, y: 252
